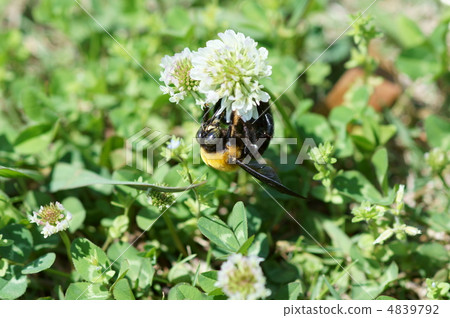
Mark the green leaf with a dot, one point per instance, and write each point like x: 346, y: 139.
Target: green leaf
x: 339, y: 118
x: 219, y: 233
x: 5, y: 242
x: 7, y: 172
x: 66, y: 176
x: 246, y: 245
x: 23, y: 243
x: 317, y: 73
x: 386, y: 132
x: 180, y: 272
x: 260, y: 246
x: 418, y: 61
x: 119, y: 226
x: 75, y: 207
x: 314, y: 126
x: 146, y: 217
x: 207, y: 281
x: 35, y: 139
x: 382, y: 297
x: 431, y: 257
x: 370, y: 289
x: 280, y: 272
x: 409, y: 33
x: 380, y: 163
x: 13, y: 284
x: 90, y: 261
x: 40, y: 264
x: 331, y: 289
x: 237, y: 220
x: 289, y: 291
x: 185, y: 291
x: 122, y: 291
x: 437, y: 130
x: 4, y: 265
x: 87, y: 291
x: 339, y: 238
x: 354, y: 185
x: 178, y: 22
x: 140, y: 270
x: 363, y: 143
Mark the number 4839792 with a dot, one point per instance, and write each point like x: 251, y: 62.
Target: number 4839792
x: 413, y: 309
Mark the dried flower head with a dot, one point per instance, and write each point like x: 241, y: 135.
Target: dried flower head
x: 53, y: 217
x: 175, y: 75
x: 241, y: 277
x: 230, y: 69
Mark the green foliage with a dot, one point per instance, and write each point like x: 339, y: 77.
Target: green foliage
x: 71, y: 98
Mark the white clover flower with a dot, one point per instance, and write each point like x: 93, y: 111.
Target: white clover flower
x: 175, y: 76
x: 241, y: 277
x: 230, y: 69
x: 54, y: 217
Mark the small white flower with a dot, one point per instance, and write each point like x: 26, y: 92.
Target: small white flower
x: 48, y: 230
x: 54, y: 217
x: 175, y: 76
x: 230, y: 69
x: 241, y: 277
x: 411, y: 230
x: 384, y: 236
x: 174, y: 143
x: 34, y: 219
x: 400, y: 194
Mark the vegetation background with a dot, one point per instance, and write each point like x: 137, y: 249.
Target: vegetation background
x: 71, y: 94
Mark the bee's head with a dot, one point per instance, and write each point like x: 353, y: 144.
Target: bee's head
x: 211, y: 136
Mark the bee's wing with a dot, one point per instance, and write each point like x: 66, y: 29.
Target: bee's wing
x: 267, y: 175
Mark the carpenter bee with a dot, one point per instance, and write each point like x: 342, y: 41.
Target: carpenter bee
x: 228, y: 146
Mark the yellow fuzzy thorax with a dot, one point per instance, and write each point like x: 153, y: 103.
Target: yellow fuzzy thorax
x: 222, y: 160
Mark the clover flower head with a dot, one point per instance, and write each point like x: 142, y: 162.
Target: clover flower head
x: 53, y: 217
x: 230, y: 69
x: 437, y: 159
x: 162, y: 200
x: 175, y: 75
x: 241, y: 277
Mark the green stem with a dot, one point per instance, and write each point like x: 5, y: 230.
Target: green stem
x: 66, y: 241
x: 284, y: 116
x: 174, y: 234
x: 107, y: 242
x: 191, y: 181
x: 197, y: 198
x: 443, y: 181
x: 57, y: 272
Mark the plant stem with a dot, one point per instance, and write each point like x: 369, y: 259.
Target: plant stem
x: 191, y: 181
x: 107, y: 242
x: 443, y: 181
x: 66, y: 241
x: 57, y: 272
x: 284, y: 115
x: 174, y: 234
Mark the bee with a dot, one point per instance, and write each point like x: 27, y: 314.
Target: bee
x: 239, y: 144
